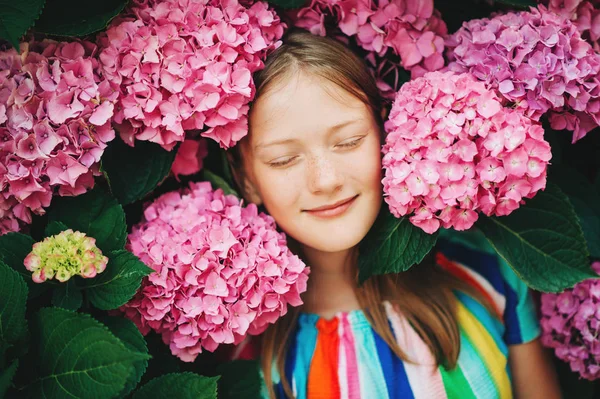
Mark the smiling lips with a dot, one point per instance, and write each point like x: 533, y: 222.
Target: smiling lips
x: 333, y: 210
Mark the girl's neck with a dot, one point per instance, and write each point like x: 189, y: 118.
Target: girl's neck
x: 331, y: 283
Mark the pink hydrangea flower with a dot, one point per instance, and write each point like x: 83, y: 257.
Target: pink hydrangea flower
x: 187, y: 65
x: 571, y: 325
x: 538, y: 61
x: 223, y: 271
x: 55, y: 111
x: 453, y: 150
x: 189, y: 157
x: 411, y: 30
x: 584, y: 14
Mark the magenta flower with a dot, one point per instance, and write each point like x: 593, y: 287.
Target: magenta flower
x: 189, y: 157
x: 539, y: 63
x: 187, y: 66
x: 55, y: 107
x: 453, y: 150
x: 412, y: 30
x: 223, y: 271
x: 571, y: 325
x: 584, y: 14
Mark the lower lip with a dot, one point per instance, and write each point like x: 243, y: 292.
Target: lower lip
x: 333, y: 212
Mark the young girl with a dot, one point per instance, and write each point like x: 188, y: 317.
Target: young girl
x: 459, y: 325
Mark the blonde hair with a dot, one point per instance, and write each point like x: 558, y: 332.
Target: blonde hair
x: 423, y: 294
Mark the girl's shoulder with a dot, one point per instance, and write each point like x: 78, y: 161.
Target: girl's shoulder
x: 468, y: 256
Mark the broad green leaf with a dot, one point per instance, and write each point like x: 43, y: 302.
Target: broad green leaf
x: 66, y: 295
x: 77, y: 356
x: 134, y: 172
x: 180, y: 386
x: 16, y: 17
x: 6, y: 377
x: 240, y: 379
x: 13, y: 292
x: 392, y: 246
x: 585, y: 200
x: 288, y: 3
x: 54, y: 228
x: 118, y: 283
x: 542, y: 241
x: 218, y: 182
x: 74, y: 18
x: 96, y: 214
x: 129, y: 334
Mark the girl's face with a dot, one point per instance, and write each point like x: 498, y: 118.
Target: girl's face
x: 313, y: 160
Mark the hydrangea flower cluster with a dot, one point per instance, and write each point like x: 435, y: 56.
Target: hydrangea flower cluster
x: 536, y: 60
x: 222, y: 271
x: 584, y: 14
x: 452, y: 150
x: 65, y: 255
x: 181, y: 65
x: 55, y: 111
x: 571, y: 325
x: 410, y: 29
x: 188, y: 159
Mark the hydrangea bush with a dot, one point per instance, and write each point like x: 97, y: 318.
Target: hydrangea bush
x: 571, y: 325
x: 55, y: 122
x: 538, y: 61
x: 452, y: 150
x: 185, y: 65
x: 222, y: 271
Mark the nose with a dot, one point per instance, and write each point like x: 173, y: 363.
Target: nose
x: 324, y: 175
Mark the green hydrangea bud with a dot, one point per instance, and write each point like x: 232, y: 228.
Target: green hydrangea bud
x: 64, y: 255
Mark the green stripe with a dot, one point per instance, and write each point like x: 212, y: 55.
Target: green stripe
x: 456, y: 385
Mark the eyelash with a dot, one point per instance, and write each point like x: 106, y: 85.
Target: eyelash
x: 350, y: 144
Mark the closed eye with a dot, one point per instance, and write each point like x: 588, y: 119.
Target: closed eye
x: 350, y: 143
x: 282, y: 162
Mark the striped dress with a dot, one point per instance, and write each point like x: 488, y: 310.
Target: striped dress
x: 343, y: 357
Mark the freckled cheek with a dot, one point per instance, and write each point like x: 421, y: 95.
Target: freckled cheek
x: 280, y: 190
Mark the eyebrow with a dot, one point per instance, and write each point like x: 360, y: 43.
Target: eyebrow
x: 330, y: 130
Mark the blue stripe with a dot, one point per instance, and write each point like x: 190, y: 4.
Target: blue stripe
x: 305, y: 344
x: 396, y: 379
x: 481, y: 262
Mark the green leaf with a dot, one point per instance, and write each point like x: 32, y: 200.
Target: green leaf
x: 95, y: 213
x: 218, y: 182
x: 180, y: 386
x: 76, y: 356
x: 286, y: 4
x: 16, y: 17
x: 392, y: 246
x: 586, y: 202
x: 118, y: 283
x: 129, y: 334
x: 14, y: 247
x: 6, y: 377
x: 134, y: 172
x: 74, y: 18
x: 542, y: 241
x: 67, y: 295
x: 13, y: 292
x: 240, y: 379
x: 54, y: 228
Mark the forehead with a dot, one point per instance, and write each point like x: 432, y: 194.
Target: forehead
x: 302, y: 104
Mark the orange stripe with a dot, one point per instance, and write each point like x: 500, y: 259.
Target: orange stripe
x: 455, y: 270
x: 323, y: 380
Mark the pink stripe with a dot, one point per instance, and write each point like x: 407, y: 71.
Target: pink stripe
x: 423, y: 374
x: 347, y: 339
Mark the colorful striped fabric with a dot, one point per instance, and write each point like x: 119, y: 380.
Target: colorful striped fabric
x: 345, y: 358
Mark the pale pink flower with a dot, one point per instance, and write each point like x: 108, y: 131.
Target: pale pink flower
x: 223, y: 271
x: 453, y: 150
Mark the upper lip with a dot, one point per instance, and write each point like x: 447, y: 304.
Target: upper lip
x: 334, y: 205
